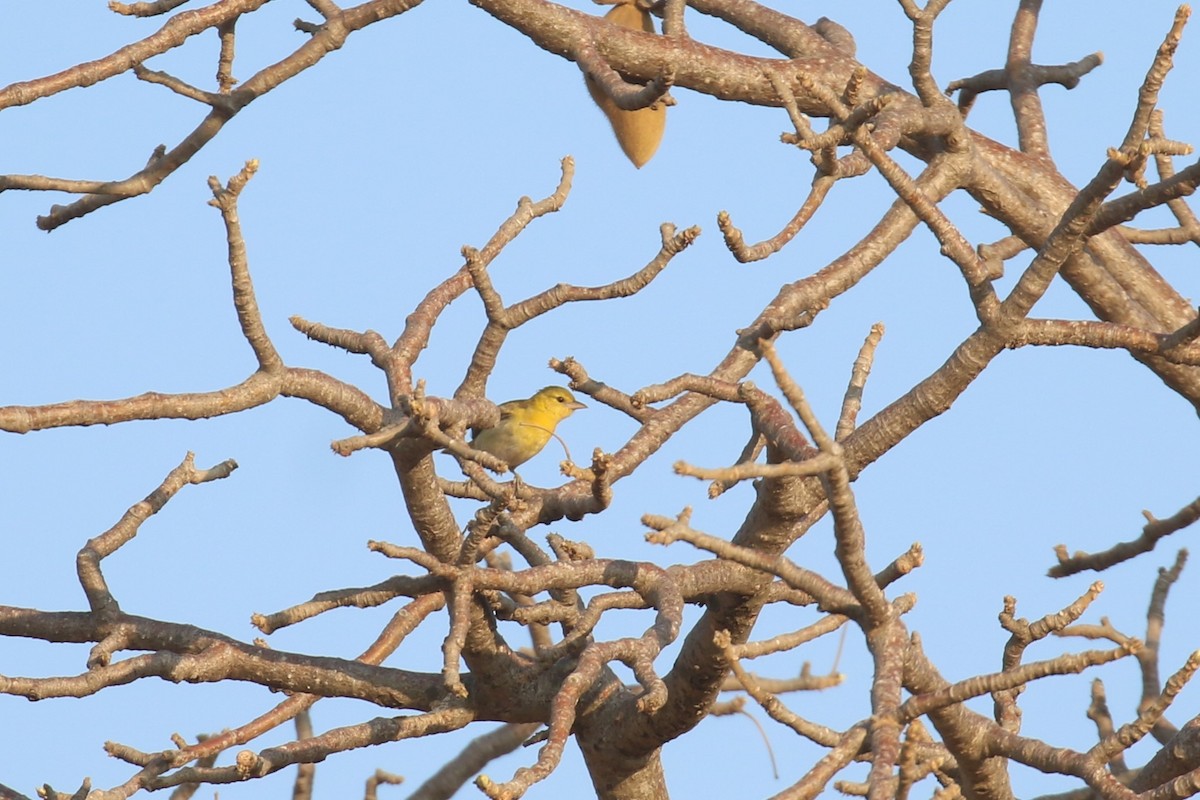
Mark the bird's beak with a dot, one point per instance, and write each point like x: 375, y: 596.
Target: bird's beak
x: 575, y: 405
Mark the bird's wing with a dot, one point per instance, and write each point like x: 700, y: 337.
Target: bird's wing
x: 506, y: 411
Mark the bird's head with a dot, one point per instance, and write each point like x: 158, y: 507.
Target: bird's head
x: 557, y: 401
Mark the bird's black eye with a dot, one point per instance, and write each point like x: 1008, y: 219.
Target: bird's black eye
x: 561, y: 399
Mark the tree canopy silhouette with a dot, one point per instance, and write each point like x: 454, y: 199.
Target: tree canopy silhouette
x: 503, y: 593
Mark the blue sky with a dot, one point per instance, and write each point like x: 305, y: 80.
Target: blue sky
x: 376, y: 167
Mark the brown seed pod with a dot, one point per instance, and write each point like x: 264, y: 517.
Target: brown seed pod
x: 638, y: 132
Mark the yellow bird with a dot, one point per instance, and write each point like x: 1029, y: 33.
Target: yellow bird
x: 526, y: 425
x: 638, y: 132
